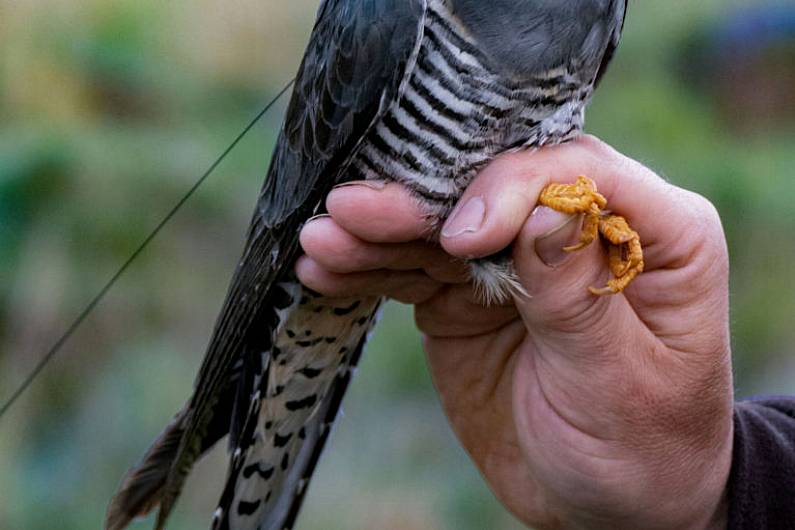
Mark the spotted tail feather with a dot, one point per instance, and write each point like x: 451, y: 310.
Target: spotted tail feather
x: 294, y: 402
x: 316, y: 444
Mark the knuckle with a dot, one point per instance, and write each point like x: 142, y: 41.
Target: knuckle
x: 712, y: 217
x: 701, y: 241
x: 600, y: 158
x: 597, y: 148
x: 703, y: 208
x: 591, y: 142
x: 705, y: 219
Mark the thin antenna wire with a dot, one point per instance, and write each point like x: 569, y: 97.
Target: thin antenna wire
x: 101, y: 294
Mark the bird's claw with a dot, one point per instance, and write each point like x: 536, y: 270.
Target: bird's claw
x: 625, y: 251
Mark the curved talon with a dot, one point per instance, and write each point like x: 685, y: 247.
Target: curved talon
x: 590, y: 231
x: 616, y: 230
x: 604, y: 291
x: 625, y: 251
x: 616, y: 285
x: 618, y: 263
x: 575, y: 248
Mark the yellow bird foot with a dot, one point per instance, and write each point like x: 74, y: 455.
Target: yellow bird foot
x: 625, y: 251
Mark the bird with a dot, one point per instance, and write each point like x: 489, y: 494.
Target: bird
x: 424, y: 93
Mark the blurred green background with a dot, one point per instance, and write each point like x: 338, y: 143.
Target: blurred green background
x: 109, y: 109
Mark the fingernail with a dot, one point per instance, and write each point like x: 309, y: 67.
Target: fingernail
x: 466, y: 219
x: 377, y: 185
x: 562, y: 230
x: 316, y: 217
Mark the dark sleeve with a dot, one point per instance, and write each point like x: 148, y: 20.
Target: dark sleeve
x: 762, y: 480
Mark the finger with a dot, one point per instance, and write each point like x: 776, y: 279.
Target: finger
x: 684, y: 252
x: 339, y: 251
x: 378, y: 213
x: 410, y: 287
x: 557, y: 281
x: 497, y: 203
x: 455, y: 312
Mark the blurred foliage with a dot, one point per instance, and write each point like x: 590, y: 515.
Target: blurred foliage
x: 108, y: 111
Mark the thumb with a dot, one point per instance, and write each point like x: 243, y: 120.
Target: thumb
x: 552, y: 231
x: 556, y: 280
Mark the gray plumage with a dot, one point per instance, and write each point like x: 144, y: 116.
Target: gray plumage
x: 422, y: 92
x: 528, y: 37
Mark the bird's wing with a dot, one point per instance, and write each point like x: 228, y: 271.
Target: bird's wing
x: 353, y: 69
x: 357, y: 60
x: 615, y: 38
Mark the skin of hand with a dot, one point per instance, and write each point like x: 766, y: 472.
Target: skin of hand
x: 581, y: 412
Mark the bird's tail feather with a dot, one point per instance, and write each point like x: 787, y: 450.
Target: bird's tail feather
x: 142, y: 488
x: 317, y: 345
x: 319, y: 436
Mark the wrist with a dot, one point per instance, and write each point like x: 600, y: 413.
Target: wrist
x: 687, y: 494
x: 716, y: 499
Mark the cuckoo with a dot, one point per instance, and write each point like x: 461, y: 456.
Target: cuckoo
x: 419, y: 92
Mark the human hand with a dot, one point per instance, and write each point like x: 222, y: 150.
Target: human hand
x: 580, y: 411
